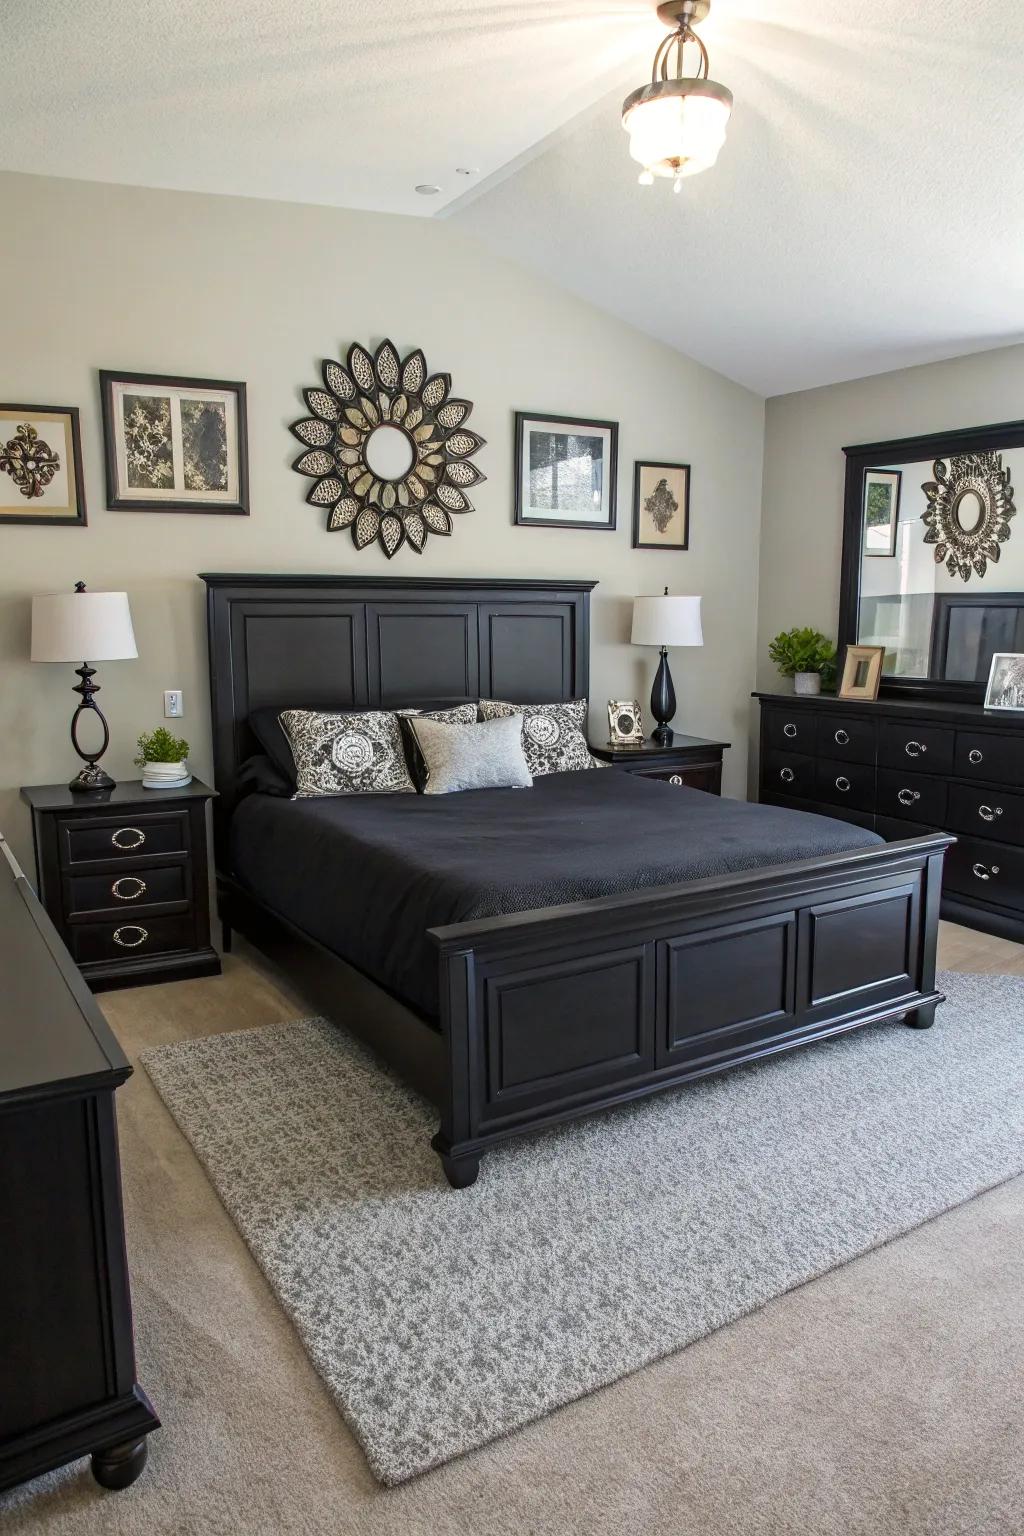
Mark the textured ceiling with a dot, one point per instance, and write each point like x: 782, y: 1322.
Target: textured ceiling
x: 867, y: 211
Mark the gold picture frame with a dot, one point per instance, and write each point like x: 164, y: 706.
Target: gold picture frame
x: 862, y: 672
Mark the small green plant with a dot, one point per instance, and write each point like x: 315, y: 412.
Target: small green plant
x: 161, y: 747
x: 803, y: 650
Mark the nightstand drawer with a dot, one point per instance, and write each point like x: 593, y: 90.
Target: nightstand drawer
x: 138, y: 837
x: 708, y: 778
x: 131, y: 938
x: 117, y: 892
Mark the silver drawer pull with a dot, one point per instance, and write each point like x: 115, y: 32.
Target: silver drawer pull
x: 908, y: 796
x: 842, y: 737
x: 675, y: 778
x: 842, y: 783
x: 974, y: 756
x: 915, y: 748
x: 130, y: 943
x: 789, y: 730
x: 787, y: 775
x: 140, y: 888
x: 982, y: 873
x: 134, y: 832
x: 988, y: 814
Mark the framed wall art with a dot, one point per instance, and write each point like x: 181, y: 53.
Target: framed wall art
x: 881, y: 511
x: 661, y: 505
x: 173, y: 444
x: 565, y: 472
x: 41, y: 466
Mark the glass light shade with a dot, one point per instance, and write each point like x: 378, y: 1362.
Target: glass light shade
x: 677, y: 127
x: 666, y: 621
x: 82, y: 626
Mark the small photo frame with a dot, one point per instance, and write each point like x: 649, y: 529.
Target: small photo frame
x: 565, y: 472
x: 1006, y: 681
x: 41, y: 466
x: 625, y: 723
x: 862, y: 672
x: 881, y: 512
x: 174, y: 445
x: 661, y: 505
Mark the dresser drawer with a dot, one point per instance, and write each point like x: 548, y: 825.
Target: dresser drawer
x: 911, y: 797
x: 996, y: 759
x: 851, y: 784
x: 990, y: 872
x: 993, y: 813
x: 907, y: 744
x: 118, y: 891
x: 846, y: 738
x: 130, y: 938
x: 787, y: 773
x: 791, y: 730
x: 137, y: 837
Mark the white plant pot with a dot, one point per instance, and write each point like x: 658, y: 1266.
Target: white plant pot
x: 159, y: 775
x: 807, y: 682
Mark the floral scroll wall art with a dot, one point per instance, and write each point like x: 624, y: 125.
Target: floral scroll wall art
x: 174, y: 445
x: 387, y: 449
x: 41, y: 465
x: 661, y: 506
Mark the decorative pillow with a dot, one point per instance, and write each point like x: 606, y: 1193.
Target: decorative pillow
x: 269, y: 732
x: 488, y: 755
x: 351, y: 754
x: 553, y: 734
x: 456, y: 714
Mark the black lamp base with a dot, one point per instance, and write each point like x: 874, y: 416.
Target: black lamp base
x: 90, y: 779
x: 663, y: 702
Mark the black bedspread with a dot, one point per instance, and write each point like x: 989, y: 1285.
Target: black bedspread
x: 367, y: 875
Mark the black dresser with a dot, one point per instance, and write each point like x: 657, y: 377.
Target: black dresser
x: 67, y: 1360
x: 903, y: 768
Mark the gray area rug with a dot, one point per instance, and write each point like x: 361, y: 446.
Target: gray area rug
x: 441, y: 1319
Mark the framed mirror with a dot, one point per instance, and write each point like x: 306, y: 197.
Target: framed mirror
x: 933, y: 557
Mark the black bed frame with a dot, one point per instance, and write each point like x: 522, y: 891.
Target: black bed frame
x: 554, y: 1013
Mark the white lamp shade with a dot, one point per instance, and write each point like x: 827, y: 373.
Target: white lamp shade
x: 82, y: 626
x: 666, y: 621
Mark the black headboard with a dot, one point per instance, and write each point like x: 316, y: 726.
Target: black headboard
x: 383, y: 642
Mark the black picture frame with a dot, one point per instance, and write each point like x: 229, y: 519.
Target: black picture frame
x: 639, y: 465
x: 117, y: 500
x: 520, y: 516
x: 80, y: 519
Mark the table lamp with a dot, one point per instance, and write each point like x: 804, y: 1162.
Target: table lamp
x: 665, y: 621
x: 67, y: 626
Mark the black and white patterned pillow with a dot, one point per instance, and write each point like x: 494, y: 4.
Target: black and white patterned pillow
x: 554, y: 735
x: 350, y: 754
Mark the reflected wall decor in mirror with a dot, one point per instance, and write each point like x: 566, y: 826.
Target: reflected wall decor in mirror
x: 933, y: 564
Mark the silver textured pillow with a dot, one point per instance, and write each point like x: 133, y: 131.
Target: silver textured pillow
x: 456, y: 714
x: 554, y: 737
x: 350, y: 754
x: 488, y: 755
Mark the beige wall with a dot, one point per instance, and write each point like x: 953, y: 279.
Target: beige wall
x: 100, y: 276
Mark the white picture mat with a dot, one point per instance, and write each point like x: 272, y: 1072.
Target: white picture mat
x: 996, y: 680
x: 59, y: 498
x: 174, y: 395
x: 592, y: 514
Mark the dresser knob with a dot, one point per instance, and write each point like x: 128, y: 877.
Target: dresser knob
x: 988, y: 814
x: 842, y: 737
x: 842, y: 783
x: 974, y: 756
x: 787, y: 775
x: 789, y: 730
x: 982, y: 873
x: 135, y: 833
x: 140, y: 887
x: 908, y: 796
x: 915, y: 748
x: 675, y: 778
x: 127, y: 943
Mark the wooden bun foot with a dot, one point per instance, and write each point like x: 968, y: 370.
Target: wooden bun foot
x: 121, y: 1464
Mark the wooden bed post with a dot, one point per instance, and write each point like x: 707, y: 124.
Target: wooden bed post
x: 457, y: 994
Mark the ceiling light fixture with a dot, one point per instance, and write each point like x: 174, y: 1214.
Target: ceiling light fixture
x: 427, y: 189
x: 677, y: 124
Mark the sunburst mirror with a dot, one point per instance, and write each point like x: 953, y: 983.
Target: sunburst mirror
x: 970, y: 504
x: 387, y: 449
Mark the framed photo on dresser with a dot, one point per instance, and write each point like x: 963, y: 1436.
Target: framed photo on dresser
x: 565, y: 472
x: 174, y: 444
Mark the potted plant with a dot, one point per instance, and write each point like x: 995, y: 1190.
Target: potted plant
x: 163, y: 760
x: 806, y: 656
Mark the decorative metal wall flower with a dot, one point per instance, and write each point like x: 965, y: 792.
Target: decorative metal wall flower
x: 388, y: 449
x: 970, y: 504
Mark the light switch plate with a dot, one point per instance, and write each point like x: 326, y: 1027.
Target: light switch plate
x: 173, y: 704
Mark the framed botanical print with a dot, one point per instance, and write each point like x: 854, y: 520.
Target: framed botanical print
x: 174, y: 445
x: 41, y: 466
x: 661, y: 505
x: 881, y: 511
x: 565, y: 472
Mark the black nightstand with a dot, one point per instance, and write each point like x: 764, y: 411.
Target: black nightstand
x: 123, y: 876
x: 688, y: 760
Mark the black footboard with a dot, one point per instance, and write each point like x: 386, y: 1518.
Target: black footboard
x: 554, y: 1013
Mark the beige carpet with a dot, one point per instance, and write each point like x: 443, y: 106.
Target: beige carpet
x: 887, y: 1397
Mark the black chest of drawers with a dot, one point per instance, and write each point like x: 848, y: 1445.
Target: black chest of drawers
x: 904, y: 768
x: 124, y: 878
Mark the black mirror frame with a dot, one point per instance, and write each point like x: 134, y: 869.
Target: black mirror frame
x: 905, y: 450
